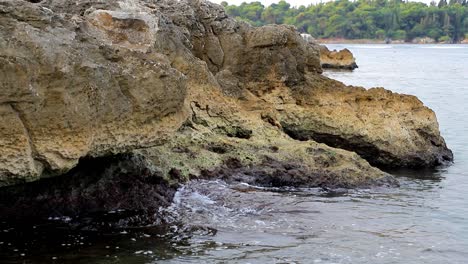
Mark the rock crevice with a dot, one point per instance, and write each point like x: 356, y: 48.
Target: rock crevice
x: 32, y: 149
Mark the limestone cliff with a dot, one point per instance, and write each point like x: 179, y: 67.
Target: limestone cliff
x: 195, y: 94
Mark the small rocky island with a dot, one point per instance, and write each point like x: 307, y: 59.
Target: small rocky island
x: 109, y: 105
x: 341, y: 60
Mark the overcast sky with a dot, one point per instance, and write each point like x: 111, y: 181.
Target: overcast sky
x: 292, y: 2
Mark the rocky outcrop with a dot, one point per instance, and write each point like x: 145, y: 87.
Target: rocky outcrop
x: 81, y: 85
x: 385, y: 128
x: 193, y: 94
x: 342, y: 59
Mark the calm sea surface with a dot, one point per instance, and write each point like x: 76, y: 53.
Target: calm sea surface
x: 424, y: 221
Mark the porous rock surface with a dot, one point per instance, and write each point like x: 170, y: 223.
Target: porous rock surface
x: 193, y: 93
x: 333, y: 59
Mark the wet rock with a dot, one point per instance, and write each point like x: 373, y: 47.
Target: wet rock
x: 342, y: 59
x: 121, y: 191
x: 274, y: 173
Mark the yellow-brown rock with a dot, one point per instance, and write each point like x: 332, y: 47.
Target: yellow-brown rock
x: 342, y: 59
x: 192, y: 92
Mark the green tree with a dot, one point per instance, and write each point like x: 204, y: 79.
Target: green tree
x: 398, y: 19
x: 442, y: 3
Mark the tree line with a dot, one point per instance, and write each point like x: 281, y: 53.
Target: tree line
x: 364, y: 19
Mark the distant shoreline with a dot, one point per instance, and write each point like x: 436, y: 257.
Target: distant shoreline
x: 376, y: 41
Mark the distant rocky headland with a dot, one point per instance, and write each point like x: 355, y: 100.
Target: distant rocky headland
x: 425, y: 40
x: 110, y: 105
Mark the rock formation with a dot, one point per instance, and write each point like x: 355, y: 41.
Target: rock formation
x: 342, y: 59
x: 189, y: 93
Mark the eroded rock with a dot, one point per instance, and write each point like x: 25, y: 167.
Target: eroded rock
x: 192, y: 92
x: 83, y: 86
x: 342, y: 59
x: 385, y: 128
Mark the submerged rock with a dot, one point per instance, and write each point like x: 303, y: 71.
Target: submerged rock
x: 194, y: 94
x: 342, y: 59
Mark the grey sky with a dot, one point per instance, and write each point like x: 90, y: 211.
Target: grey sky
x: 292, y: 2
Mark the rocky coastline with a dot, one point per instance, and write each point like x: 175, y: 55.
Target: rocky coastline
x: 111, y: 105
x: 419, y: 41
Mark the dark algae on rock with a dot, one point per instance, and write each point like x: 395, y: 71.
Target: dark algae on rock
x: 95, y: 186
x: 109, y: 105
